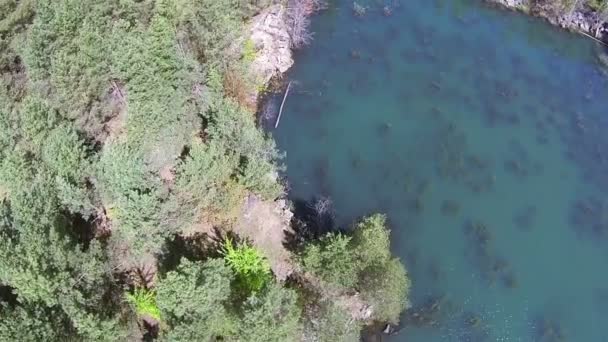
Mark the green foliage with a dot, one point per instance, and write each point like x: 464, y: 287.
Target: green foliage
x: 598, y: 5
x: 272, y: 315
x: 32, y: 324
x: 249, y: 51
x: 210, y: 26
x: 387, y: 289
x: 252, y: 7
x: 205, y: 177
x: 161, y: 116
x: 113, y: 122
x: 8, y: 131
x: 66, y: 48
x: 64, y: 153
x: 51, y: 273
x: 197, y: 304
x: 235, y: 157
x: 234, y: 128
x: 364, y: 263
x: 15, y: 14
x: 327, y: 321
x: 37, y: 118
x: 144, y: 301
x: 65, y: 156
x: 251, y: 268
x: 371, y: 241
x: 191, y: 299
x: 333, y: 260
x: 29, y: 186
x: 131, y: 196
x: 383, y: 280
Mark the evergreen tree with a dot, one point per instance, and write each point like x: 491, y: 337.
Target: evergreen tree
x: 192, y: 301
x: 270, y: 316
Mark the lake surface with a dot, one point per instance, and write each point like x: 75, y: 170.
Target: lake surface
x: 483, y: 135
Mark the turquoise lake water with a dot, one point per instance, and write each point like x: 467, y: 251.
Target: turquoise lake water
x: 483, y: 135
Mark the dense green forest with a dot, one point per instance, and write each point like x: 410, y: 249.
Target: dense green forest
x: 123, y: 130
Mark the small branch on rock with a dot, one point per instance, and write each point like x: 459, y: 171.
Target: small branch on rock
x: 298, y: 13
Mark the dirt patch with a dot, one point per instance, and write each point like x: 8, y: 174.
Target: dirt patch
x: 265, y: 224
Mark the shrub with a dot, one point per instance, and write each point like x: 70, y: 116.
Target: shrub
x: 210, y: 26
x: 383, y: 280
x: 386, y: 287
x: 251, y: 268
x: 204, y: 175
x: 327, y: 321
x: 191, y: 299
x: 249, y: 51
x: 54, y: 276
x: 272, y: 315
x: 98, y: 101
x: 33, y: 323
x: 234, y: 130
x: 29, y: 187
x: 371, y: 240
x: 333, y: 260
x: 37, y: 118
x: 130, y: 193
x: 362, y: 262
x: 65, y: 154
x: 145, y: 303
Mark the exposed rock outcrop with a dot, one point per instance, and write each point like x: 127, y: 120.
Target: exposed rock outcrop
x: 269, y: 33
x: 584, y: 19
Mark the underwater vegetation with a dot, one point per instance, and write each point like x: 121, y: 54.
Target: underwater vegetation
x: 480, y: 138
x: 589, y: 218
x: 457, y: 164
x: 492, y: 268
x: 547, y: 330
x: 429, y: 313
x: 524, y: 219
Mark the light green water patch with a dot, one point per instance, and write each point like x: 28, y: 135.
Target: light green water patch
x: 481, y: 134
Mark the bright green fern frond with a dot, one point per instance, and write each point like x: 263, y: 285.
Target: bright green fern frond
x: 250, y: 266
x: 145, y: 302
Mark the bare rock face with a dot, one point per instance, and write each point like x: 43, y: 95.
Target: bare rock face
x: 514, y: 3
x: 584, y: 19
x: 270, y: 36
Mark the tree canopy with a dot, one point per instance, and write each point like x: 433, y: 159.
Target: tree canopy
x: 118, y: 134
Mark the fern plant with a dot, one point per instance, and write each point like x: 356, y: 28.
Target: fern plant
x: 251, y: 268
x: 145, y: 303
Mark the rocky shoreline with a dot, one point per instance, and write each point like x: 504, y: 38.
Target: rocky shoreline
x: 585, y: 20
x: 269, y: 32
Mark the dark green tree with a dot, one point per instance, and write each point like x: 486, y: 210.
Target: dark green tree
x: 192, y: 301
x: 272, y: 315
x: 333, y: 260
x: 327, y: 321
x: 364, y: 263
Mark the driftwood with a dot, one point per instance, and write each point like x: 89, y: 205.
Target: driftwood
x: 592, y: 37
x: 276, y: 124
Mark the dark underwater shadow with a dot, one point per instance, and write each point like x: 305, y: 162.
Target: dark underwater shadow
x: 312, y: 219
